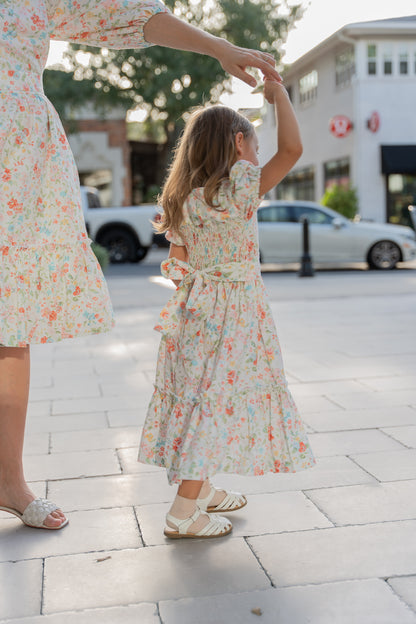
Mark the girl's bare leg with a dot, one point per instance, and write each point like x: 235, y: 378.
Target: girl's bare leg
x: 14, y: 393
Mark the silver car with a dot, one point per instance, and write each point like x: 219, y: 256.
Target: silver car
x: 333, y: 238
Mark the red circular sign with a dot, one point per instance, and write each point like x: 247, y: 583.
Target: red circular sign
x: 373, y: 123
x: 340, y: 126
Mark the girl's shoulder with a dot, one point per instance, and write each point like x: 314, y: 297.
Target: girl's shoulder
x: 243, y: 186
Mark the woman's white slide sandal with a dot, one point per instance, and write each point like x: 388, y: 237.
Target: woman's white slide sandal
x: 232, y: 502
x: 36, y: 513
x: 216, y: 527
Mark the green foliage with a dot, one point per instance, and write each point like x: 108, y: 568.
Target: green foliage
x: 342, y: 199
x: 167, y: 82
x: 101, y: 254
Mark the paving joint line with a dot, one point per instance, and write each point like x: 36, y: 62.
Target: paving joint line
x: 251, y: 548
x: 144, y: 545
x: 319, y: 508
x: 365, y: 470
x: 401, y: 599
x: 42, y: 587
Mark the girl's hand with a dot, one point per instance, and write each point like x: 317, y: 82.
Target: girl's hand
x: 235, y: 60
x: 272, y: 90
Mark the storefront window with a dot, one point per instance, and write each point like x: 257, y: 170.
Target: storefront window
x: 401, y: 193
x: 298, y: 185
x: 337, y: 172
x: 371, y: 59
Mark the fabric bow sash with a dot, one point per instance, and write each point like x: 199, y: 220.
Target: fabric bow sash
x: 195, y: 296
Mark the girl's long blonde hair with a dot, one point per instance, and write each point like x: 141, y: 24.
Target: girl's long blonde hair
x: 203, y: 158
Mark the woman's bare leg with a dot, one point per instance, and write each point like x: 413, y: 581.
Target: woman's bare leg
x: 14, y: 393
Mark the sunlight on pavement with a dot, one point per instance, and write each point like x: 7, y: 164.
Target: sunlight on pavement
x: 162, y: 281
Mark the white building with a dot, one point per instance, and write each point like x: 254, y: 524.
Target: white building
x: 361, y: 82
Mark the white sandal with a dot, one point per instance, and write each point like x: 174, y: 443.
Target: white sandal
x: 36, y: 513
x: 232, y: 502
x: 216, y: 527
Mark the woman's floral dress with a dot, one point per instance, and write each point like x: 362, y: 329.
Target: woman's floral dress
x: 221, y: 402
x: 51, y: 286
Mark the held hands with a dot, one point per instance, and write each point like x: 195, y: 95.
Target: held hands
x: 273, y: 89
x: 235, y: 60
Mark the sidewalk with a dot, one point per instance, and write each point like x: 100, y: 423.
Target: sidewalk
x: 335, y: 544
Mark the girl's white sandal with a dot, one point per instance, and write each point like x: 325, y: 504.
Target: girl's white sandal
x: 36, y: 513
x: 231, y: 502
x: 216, y: 527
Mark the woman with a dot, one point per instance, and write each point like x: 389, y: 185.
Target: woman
x: 51, y: 286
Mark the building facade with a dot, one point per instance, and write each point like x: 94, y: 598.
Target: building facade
x: 355, y: 99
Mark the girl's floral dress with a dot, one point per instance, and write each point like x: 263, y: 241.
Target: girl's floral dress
x: 51, y: 286
x: 221, y: 401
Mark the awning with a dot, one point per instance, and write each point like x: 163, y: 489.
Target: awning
x: 398, y: 159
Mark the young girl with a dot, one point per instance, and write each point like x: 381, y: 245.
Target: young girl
x: 221, y: 402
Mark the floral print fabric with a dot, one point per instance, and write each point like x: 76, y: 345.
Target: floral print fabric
x: 221, y: 402
x: 51, y: 286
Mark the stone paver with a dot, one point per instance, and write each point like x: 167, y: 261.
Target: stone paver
x: 72, y: 465
x: 342, y: 553
x: 363, y: 504
x: 87, y: 531
x: 116, y: 438
x: 392, y: 466
x: 144, y: 613
x: 113, y: 491
x: 362, y: 419
x: 349, y: 442
x: 349, y: 602
x: 405, y: 587
x: 20, y: 583
x: 191, y: 568
x: 337, y: 540
x: 405, y: 435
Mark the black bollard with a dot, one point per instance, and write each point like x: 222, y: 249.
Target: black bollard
x: 306, y: 268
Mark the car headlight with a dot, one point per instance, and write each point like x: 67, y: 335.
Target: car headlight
x: 411, y: 237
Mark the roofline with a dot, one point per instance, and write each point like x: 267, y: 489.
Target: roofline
x: 351, y: 33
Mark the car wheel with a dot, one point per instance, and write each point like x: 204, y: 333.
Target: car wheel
x: 384, y: 255
x: 120, y: 244
x: 141, y: 252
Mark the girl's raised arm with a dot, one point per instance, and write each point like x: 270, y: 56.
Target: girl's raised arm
x: 169, y: 31
x: 289, y: 144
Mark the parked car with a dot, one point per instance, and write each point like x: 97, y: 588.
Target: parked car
x: 125, y: 231
x: 333, y: 238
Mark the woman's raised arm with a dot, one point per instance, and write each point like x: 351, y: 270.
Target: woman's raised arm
x: 169, y: 31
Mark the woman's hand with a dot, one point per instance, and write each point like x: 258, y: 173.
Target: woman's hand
x: 235, y: 60
x: 168, y: 30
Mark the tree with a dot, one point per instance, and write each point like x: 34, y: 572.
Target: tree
x: 342, y: 199
x: 168, y: 82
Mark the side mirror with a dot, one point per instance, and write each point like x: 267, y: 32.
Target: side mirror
x: 337, y: 223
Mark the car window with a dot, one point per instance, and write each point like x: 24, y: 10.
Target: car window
x: 275, y: 214
x: 314, y: 215
x: 93, y: 200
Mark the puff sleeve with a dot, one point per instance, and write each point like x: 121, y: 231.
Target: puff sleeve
x: 245, y: 186
x: 174, y: 237
x: 108, y: 23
